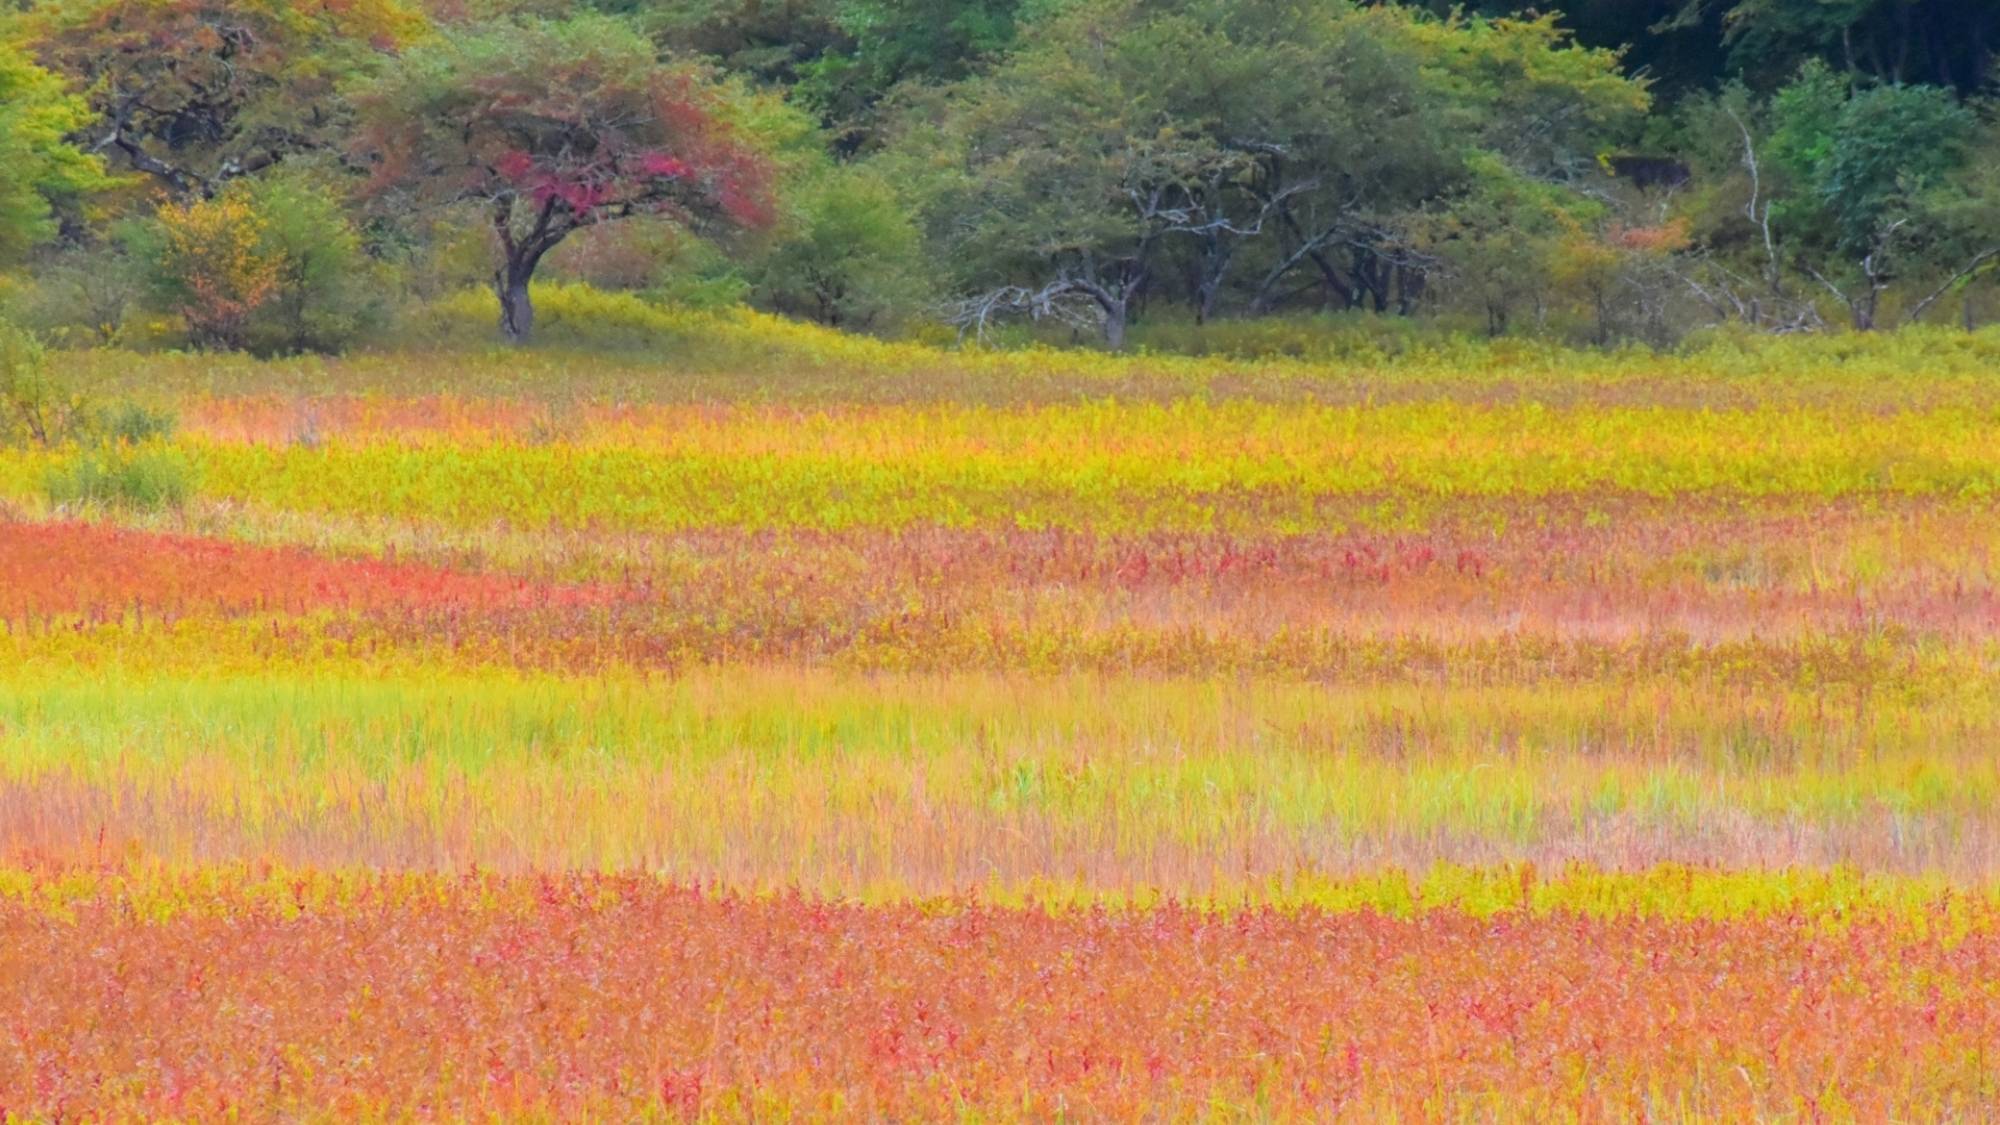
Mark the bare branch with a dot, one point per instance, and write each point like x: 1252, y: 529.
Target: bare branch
x: 1971, y: 267
x: 1064, y: 300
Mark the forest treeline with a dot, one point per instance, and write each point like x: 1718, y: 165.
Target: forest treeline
x: 293, y: 175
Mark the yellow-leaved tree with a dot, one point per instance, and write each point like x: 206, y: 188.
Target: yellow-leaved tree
x: 212, y: 265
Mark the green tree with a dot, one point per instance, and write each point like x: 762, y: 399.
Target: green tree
x: 38, y: 167
x: 1949, y: 43
x: 1521, y: 88
x: 1965, y: 217
x: 1501, y: 241
x: 327, y: 289
x: 1692, y: 46
x: 1834, y: 188
x: 1060, y: 176
x: 769, y: 41
x: 1863, y: 164
x: 890, y: 42
x: 211, y: 263
x: 1252, y: 137
x: 847, y: 254
x: 194, y: 93
x: 271, y: 264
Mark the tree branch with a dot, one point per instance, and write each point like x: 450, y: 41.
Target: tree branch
x: 1917, y: 311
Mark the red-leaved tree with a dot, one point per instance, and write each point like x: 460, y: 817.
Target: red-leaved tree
x: 553, y: 127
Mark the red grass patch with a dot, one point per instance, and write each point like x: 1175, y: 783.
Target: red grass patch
x: 609, y: 996
x: 101, y: 572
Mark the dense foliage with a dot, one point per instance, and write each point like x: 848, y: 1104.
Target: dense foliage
x: 39, y: 168
x: 1588, y: 171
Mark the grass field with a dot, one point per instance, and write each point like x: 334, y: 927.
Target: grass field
x: 867, y: 731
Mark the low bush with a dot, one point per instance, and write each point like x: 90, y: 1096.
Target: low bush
x: 849, y: 255
x: 271, y: 266
x: 83, y: 296
x: 38, y: 407
x: 115, y: 453
x: 328, y: 294
x: 655, y: 258
x: 581, y: 318
x: 1342, y: 337
x: 139, y: 477
x: 35, y: 408
x: 129, y: 423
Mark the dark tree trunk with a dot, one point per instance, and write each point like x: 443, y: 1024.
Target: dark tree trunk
x: 517, y: 308
x: 1336, y: 284
x: 1371, y: 280
x: 1211, y: 288
x: 519, y: 257
x: 1862, y: 311
x: 1216, y: 257
x: 1409, y: 289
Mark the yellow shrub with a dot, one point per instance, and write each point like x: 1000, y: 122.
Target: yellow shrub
x: 212, y: 265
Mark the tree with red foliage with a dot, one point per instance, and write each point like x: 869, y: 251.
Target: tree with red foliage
x: 553, y: 126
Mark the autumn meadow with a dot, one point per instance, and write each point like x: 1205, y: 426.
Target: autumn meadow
x: 999, y: 561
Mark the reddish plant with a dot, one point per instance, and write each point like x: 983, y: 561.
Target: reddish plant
x: 231, y: 993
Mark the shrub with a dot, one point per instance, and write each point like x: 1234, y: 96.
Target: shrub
x: 209, y: 263
x: 143, y: 478
x: 652, y: 257
x: 117, y: 457
x: 850, y: 255
x: 569, y: 316
x: 37, y: 409
x: 1335, y: 337
x: 129, y: 423
x: 579, y: 318
x: 271, y: 265
x: 82, y: 296
x: 327, y: 291
x: 631, y: 256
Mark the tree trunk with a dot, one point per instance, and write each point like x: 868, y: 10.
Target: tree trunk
x: 1863, y: 307
x: 1210, y: 290
x: 1114, y: 298
x: 1215, y: 260
x: 1345, y: 293
x: 517, y: 309
x: 1371, y: 280
x: 519, y: 257
x: 1114, y: 323
x: 1409, y: 289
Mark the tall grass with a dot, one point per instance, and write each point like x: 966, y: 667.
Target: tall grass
x: 1240, y: 468
x: 615, y: 347
x: 707, y: 717
x: 1503, y: 996
x: 924, y: 785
